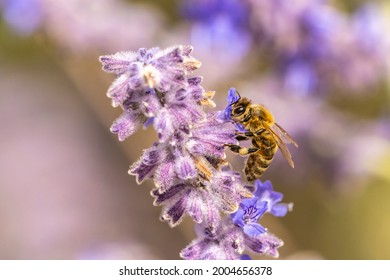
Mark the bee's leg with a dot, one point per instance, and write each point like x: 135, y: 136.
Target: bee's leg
x: 260, y: 131
x: 241, y: 136
x: 242, y: 151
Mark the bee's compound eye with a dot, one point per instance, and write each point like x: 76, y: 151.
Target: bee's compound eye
x: 239, y: 110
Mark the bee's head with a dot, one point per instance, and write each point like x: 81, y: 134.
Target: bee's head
x: 236, y: 108
x: 240, y: 109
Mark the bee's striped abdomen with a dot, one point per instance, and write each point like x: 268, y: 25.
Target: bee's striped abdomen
x: 255, y: 166
x: 258, y: 162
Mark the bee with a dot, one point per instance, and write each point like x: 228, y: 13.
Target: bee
x: 266, y: 135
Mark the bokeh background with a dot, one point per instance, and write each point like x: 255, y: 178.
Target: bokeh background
x: 320, y: 66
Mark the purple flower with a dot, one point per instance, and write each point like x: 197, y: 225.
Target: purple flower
x: 226, y: 242
x: 162, y: 70
x: 317, y: 27
x: 152, y: 87
x: 232, y: 98
x: 248, y: 215
x: 264, y: 244
x: 187, y: 163
x: 231, y: 237
x: 221, y: 26
x: 245, y: 257
x: 148, y: 163
x: 24, y: 16
x: 366, y: 57
x: 368, y: 23
x: 317, y: 48
x: 264, y: 192
x: 202, y: 199
x: 226, y: 115
x: 300, y: 76
x: 251, y: 210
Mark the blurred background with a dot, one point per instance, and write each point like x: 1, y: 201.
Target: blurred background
x: 321, y: 67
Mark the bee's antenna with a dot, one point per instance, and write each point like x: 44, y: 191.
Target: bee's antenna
x: 239, y: 97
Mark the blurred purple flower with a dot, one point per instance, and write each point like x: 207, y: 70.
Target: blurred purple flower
x: 300, y: 66
x: 368, y: 24
x: 300, y: 76
x: 317, y: 48
x: 221, y: 26
x: 23, y: 16
x: 366, y: 60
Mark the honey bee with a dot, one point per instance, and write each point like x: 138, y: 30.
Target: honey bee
x: 266, y: 135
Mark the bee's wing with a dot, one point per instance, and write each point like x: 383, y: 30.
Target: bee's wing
x: 282, y: 137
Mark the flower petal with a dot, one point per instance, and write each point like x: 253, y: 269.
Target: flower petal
x: 237, y: 217
x: 127, y: 124
x: 281, y: 209
x: 117, y: 63
x: 195, y: 207
x: 151, y: 105
x: 264, y: 244
x: 233, y: 96
x: 175, y: 213
x: 165, y: 175
x: 163, y: 197
x: 148, y: 163
x: 163, y: 125
x: 254, y: 229
x: 194, y: 250
x: 119, y: 90
x: 185, y: 168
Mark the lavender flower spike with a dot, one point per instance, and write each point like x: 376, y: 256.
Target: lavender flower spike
x: 224, y: 243
x: 144, y: 78
x: 187, y: 161
x: 228, y: 242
